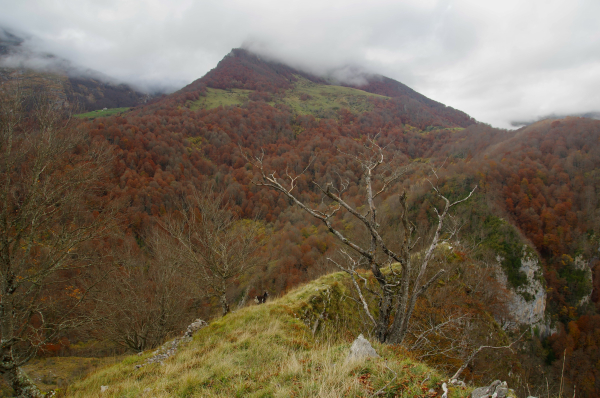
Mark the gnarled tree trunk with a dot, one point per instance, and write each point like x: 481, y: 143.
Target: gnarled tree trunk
x: 22, y: 384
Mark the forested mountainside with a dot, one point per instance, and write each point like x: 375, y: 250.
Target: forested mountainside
x: 536, y: 201
x: 85, y: 88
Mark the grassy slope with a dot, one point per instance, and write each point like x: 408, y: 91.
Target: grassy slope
x: 320, y: 100
x: 216, y: 97
x: 326, y: 99
x: 56, y: 372
x: 101, y: 113
x: 270, y: 351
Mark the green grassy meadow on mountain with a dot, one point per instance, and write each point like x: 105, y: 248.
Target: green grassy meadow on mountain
x: 101, y: 113
x: 303, y: 98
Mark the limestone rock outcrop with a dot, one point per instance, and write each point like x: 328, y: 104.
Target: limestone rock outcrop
x: 361, y: 348
x: 498, y: 389
x: 195, y: 326
x: 527, y: 303
x: 581, y: 264
x: 170, y: 348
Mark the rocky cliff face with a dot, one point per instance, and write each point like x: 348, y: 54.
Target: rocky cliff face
x: 583, y: 265
x: 527, y: 303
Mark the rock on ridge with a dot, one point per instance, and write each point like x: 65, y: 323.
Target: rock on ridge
x: 170, y: 348
x: 498, y: 389
x: 194, y: 326
x: 361, y: 348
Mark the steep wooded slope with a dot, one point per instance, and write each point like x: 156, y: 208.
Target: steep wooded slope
x: 391, y: 88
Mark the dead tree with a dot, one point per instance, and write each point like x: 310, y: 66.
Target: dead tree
x: 400, y: 273
x: 217, y: 246
x: 49, y: 209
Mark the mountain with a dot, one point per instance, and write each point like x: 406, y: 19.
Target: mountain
x: 279, y: 83
x: 244, y: 70
x: 89, y: 89
x: 527, y: 250
x: 534, y: 215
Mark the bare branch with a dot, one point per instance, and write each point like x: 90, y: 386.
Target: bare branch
x: 474, y: 353
x: 352, y: 272
x: 464, y: 199
x: 382, y: 389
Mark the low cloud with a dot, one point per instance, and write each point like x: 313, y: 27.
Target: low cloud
x: 499, y: 62
x: 521, y: 123
x: 20, y: 50
x: 349, y: 75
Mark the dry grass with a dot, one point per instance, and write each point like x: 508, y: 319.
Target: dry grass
x: 270, y: 351
x: 58, y: 372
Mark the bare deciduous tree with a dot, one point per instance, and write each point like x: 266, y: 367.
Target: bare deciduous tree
x: 218, y: 247
x: 457, y: 316
x: 48, y: 210
x: 146, y: 298
x: 399, y: 265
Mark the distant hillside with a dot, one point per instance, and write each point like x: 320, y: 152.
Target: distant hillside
x: 391, y: 88
x: 86, y: 88
x: 590, y: 115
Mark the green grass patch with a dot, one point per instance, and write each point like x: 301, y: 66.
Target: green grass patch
x: 216, y: 97
x: 306, y: 97
x: 101, y: 113
x: 325, y: 101
x: 504, y: 239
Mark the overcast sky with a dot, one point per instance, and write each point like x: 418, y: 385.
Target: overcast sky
x: 498, y: 61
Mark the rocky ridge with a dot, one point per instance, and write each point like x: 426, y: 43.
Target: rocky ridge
x: 169, y: 349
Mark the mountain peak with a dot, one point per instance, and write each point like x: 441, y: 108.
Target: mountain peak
x: 243, y: 69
